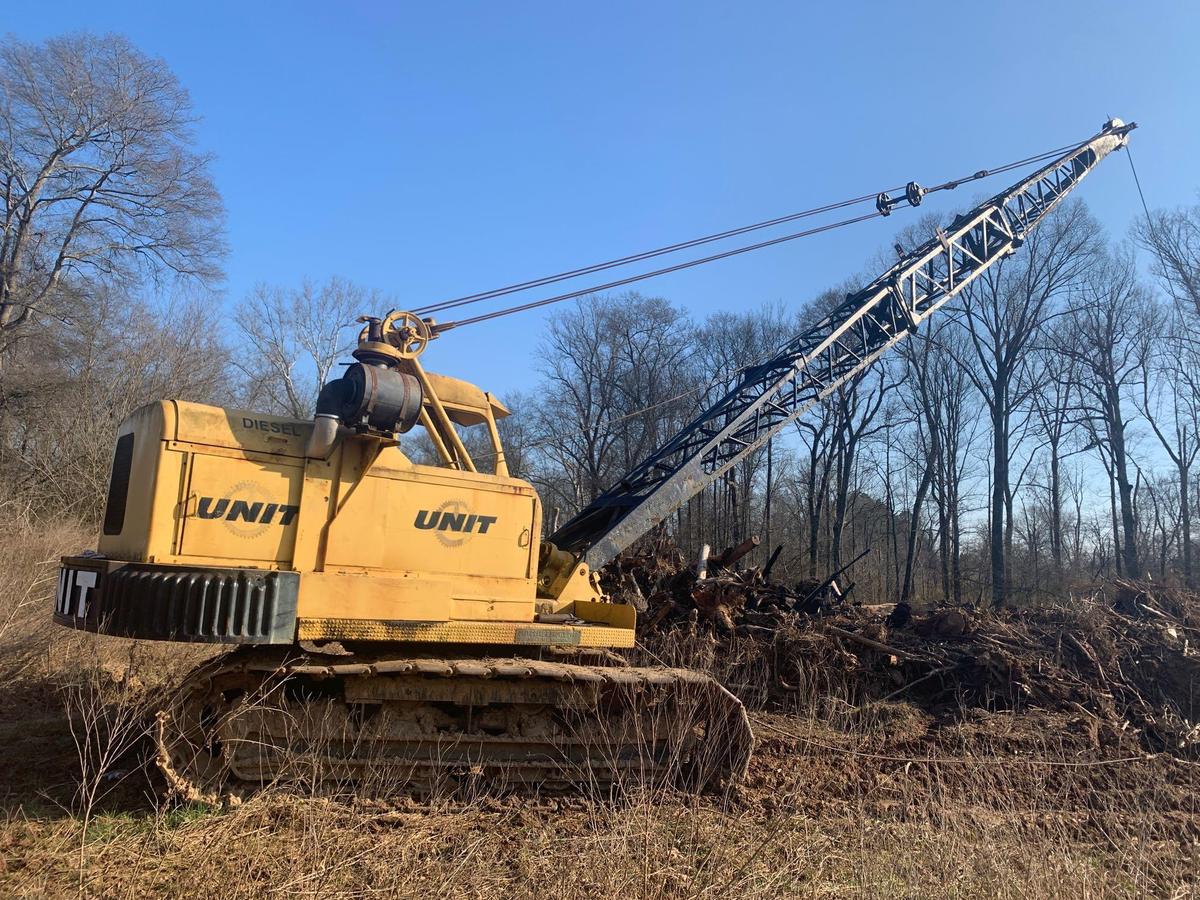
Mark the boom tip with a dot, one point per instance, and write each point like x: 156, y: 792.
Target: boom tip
x: 1119, y: 126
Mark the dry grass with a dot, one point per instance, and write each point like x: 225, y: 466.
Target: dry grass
x: 839, y: 802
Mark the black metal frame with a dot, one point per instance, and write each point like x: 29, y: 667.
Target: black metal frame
x: 811, y: 365
x: 178, y: 603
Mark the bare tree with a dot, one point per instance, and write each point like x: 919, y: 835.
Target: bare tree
x: 857, y: 405
x: 832, y: 435
x: 100, y: 183
x: 1006, y: 310
x: 1054, y: 407
x: 1170, y: 402
x: 1158, y: 517
x: 937, y: 391
x: 71, y: 387
x: 617, y: 380
x: 724, y: 345
x: 293, y: 338
x: 816, y: 432
x: 1173, y: 237
x: 1110, y: 337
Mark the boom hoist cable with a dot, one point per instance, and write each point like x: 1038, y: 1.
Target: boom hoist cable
x: 642, y: 276
x: 912, y: 194
x: 425, y: 329
x: 768, y: 396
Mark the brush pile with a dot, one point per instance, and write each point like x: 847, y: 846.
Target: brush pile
x: 1123, y: 655
x: 669, y: 592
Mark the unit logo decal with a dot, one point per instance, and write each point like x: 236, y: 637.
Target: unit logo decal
x: 248, y: 511
x: 453, y: 523
x: 74, y: 592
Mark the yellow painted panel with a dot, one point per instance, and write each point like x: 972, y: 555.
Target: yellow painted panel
x: 428, y: 520
x: 316, y: 508
x: 241, y: 430
x: 619, y: 615
x: 501, y: 633
x: 491, y: 608
x: 133, y: 542
x: 155, y: 483
x: 465, y: 403
x: 374, y: 596
x: 241, y: 510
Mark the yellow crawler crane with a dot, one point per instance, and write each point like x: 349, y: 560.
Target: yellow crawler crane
x: 409, y: 621
x: 465, y: 645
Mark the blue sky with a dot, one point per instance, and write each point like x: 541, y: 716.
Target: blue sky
x: 432, y: 150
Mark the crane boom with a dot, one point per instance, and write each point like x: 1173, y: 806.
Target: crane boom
x: 769, y: 395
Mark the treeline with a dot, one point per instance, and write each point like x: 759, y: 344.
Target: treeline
x: 1040, y: 433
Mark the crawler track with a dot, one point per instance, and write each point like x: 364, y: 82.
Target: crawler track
x: 258, y: 716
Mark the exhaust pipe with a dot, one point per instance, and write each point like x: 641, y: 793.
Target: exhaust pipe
x: 326, y: 421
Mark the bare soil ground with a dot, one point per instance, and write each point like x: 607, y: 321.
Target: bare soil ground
x: 845, y: 797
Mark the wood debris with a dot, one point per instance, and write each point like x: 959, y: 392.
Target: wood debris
x: 1123, y: 652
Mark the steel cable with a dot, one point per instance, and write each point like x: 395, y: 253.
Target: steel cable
x: 644, y: 275
x: 707, y: 239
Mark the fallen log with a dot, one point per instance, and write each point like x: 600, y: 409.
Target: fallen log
x: 868, y: 642
x: 731, y: 555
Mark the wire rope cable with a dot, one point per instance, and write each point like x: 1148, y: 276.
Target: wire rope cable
x: 719, y: 236
x: 641, y: 276
x: 1151, y: 231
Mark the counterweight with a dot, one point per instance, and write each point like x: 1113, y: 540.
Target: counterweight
x: 769, y: 395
